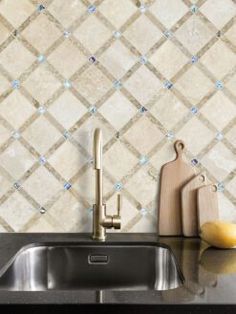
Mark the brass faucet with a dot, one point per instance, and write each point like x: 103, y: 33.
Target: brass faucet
x: 101, y: 221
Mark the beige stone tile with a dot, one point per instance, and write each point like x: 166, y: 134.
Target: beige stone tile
x: 2, y: 229
x: 218, y: 12
x: 92, y: 33
x: 42, y: 225
x: 219, y: 59
x: 168, y: 59
x: 145, y: 224
x: 143, y: 34
x: 144, y: 135
x: 67, y: 11
x: 143, y: 85
x: 67, y: 109
x: 41, y: 135
x: 67, y: 160
x: 42, y: 185
x: 195, y: 135
x: 118, y: 110
x: 118, y: 160
x: 194, y: 85
x: 4, y: 134
x: 4, y: 33
x: 16, y: 58
x: 117, y: 12
x: 16, y: 12
x: 41, y: 33
x: 220, y: 161
x: 16, y: 211
x: 169, y: 14
x: 118, y: 59
x: 16, y: 159
x: 227, y: 210
x: 231, y: 85
x: 67, y: 58
x: 42, y: 84
x: 231, y: 186
x: 4, y: 84
x: 219, y: 110
x: 16, y: 109
x: 92, y: 84
x: 231, y: 34
x: 5, y: 185
x: 194, y: 34
x: 169, y: 110
x: 231, y: 136
x: 142, y: 186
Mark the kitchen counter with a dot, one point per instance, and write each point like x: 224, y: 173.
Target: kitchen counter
x: 210, y: 275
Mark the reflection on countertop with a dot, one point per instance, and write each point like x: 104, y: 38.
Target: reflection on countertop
x: 210, y: 274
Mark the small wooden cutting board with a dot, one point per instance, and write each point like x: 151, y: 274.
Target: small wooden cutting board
x: 207, y: 203
x: 189, y: 205
x: 174, y: 175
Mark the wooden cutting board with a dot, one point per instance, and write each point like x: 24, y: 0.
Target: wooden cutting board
x: 189, y: 205
x: 207, y: 204
x: 174, y: 175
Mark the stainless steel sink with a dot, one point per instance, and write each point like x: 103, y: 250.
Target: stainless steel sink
x: 92, y: 266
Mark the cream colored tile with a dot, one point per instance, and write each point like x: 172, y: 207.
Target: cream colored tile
x: 169, y: 14
x: 143, y: 85
x: 169, y: 110
x: 42, y: 225
x: 231, y: 34
x: 117, y: 12
x: 231, y: 186
x: 118, y: 160
x: 220, y: 161
x: 4, y: 33
x: 67, y: 109
x: 41, y: 135
x: 194, y: 34
x: 231, y: 85
x: 219, y: 110
x: 16, y: 58
x: 144, y: 135
x: 4, y: 134
x: 41, y: 33
x: 42, y: 84
x: 227, y: 210
x: 4, y: 84
x: 143, y: 34
x: 195, y: 135
x: 142, y: 186
x: 92, y: 33
x: 42, y: 185
x: 67, y: 58
x: 231, y: 136
x: 67, y: 160
x: 67, y: 11
x: 17, y: 211
x: 194, y: 85
x: 92, y: 84
x: 219, y: 59
x: 168, y: 59
x: 118, y: 59
x: 2, y: 229
x: 218, y: 12
x: 5, y: 185
x: 16, y: 109
x: 16, y: 12
x: 16, y: 159
x: 118, y: 110
x: 164, y: 155
x: 145, y: 224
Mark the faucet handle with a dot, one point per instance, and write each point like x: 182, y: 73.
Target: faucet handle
x: 118, y: 204
x: 116, y: 219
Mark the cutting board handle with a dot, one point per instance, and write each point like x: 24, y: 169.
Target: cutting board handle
x: 179, y: 148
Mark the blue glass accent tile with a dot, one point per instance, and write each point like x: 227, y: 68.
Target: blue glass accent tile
x: 168, y: 33
x: 143, y: 110
x: 194, y: 110
x: 117, y: 34
x: 42, y: 210
x: 143, y: 211
x: 92, y: 59
x: 219, y: 85
x: 89, y: 210
x: 17, y: 185
x: 67, y: 186
x: 42, y: 110
x: 170, y: 135
x: 40, y: 7
x: 41, y: 58
x: 118, y: 186
x: 67, y: 84
x: 42, y: 160
x: 143, y: 8
x: 15, y: 84
x: 117, y: 134
x: 218, y: 34
x: 219, y: 136
x: 194, y: 161
x: 93, y: 109
x: 194, y: 59
x: 194, y: 8
x: 15, y: 33
x: 143, y: 160
x: 66, y: 34
x: 16, y: 135
x: 66, y: 134
x: 92, y: 8
x: 143, y: 59
x: 220, y: 187
x: 117, y: 84
x: 168, y: 84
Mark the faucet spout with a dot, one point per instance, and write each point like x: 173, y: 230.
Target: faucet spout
x: 98, y: 149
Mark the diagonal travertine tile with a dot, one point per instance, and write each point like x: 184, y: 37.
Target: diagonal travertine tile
x: 4, y: 33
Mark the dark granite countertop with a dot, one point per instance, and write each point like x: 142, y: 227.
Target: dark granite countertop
x: 210, y: 276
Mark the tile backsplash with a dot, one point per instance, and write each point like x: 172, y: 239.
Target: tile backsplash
x: 146, y: 72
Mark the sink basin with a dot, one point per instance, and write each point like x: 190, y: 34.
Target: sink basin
x: 91, y: 266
